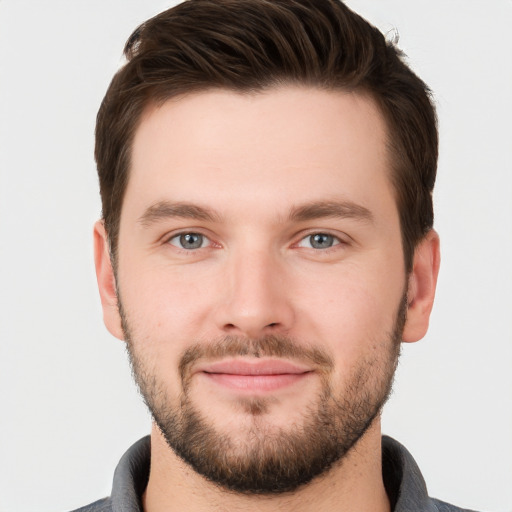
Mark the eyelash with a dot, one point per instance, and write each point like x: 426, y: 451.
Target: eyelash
x: 185, y: 233
x: 337, y: 241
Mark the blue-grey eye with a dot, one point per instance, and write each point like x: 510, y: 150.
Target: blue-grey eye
x: 189, y: 241
x: 319, y: 241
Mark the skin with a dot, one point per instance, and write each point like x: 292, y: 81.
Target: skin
x: 250, y: 160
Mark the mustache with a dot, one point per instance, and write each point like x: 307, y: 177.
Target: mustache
x: 266, y: 346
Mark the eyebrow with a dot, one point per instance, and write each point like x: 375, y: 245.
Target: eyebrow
x: 168, y: 210
x: 310, y: 211
x: 334, y: 209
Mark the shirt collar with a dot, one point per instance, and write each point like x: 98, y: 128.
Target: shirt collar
x: 402, y: 478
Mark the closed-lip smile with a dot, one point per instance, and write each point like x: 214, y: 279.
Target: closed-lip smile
x: 254, y: 375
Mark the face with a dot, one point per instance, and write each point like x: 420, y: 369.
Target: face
x: 261, y: 279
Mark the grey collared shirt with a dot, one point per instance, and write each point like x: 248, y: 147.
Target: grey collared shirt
x: 404, y: 484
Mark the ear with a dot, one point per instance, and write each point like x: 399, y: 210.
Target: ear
x: 106, y: 281
x: 422, y: 287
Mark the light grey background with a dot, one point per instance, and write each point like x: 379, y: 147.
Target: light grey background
x: 68, y: 409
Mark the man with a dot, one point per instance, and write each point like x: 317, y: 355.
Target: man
x: 266, y: 173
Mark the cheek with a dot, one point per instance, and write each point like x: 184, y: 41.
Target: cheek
x: 165, y: 303
x: 350, y: 310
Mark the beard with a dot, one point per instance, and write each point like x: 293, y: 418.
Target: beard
x: 262, y: 458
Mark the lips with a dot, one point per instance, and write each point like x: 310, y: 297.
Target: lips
x: 254, y: 376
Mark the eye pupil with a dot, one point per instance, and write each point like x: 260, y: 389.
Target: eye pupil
x: 321, y: 241
x: 191, y: 240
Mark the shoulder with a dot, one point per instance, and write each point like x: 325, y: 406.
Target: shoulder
x: 441, y: 506
x: 104, y: 505
x: 404, y: 482
x: 130, y: 480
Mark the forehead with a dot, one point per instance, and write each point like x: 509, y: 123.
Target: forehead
x: 284, y: 145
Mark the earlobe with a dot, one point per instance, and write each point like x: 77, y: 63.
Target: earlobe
x: 106, y: 281
x: 422, y: 287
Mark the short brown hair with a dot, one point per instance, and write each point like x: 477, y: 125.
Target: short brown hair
x: 252, y: 45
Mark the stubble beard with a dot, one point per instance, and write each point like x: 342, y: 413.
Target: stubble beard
x: 265, y: 459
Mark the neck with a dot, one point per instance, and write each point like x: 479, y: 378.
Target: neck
x: 355, y: 484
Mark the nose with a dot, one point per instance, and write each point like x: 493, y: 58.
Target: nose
x: 254, y: 300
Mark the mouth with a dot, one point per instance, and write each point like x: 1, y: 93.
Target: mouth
x: 254, y: 377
